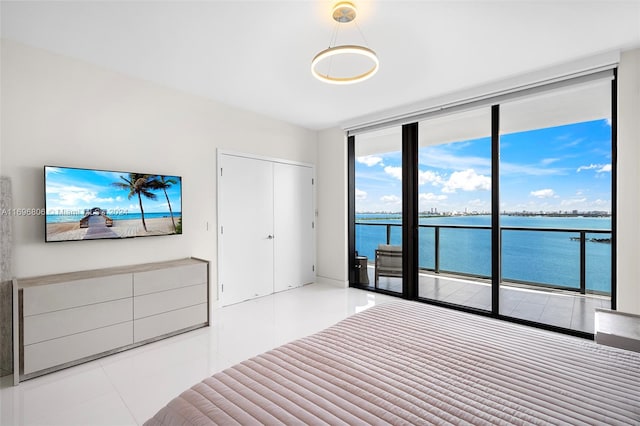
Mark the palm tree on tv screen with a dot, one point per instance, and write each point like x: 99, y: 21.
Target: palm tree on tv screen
x: 139, y: 185
x: 164, y: 183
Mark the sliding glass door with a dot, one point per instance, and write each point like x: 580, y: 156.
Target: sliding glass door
x: 556, y: 198
x: 454, y: 177
x: 379, y: 210
x: 505, y: 208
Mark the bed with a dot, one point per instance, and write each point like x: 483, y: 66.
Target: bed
x: 418, y: 364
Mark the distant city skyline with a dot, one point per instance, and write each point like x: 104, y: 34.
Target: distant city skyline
x: 557, y: 169
x: 502, y: 212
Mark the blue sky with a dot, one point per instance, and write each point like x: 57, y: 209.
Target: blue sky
x: 79, y: 189
x: 561, y: 168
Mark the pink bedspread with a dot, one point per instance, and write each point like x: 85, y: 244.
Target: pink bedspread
x: 412, y: 363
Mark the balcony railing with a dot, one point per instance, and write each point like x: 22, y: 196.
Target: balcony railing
x: 544, y: 257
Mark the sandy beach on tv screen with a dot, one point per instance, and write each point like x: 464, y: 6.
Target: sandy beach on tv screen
x: 121, y: 228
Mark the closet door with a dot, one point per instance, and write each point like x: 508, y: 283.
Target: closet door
x: 245, y: 228
x: 293, y: 226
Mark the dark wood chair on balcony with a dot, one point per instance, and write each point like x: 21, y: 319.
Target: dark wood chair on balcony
x: 388, y: 262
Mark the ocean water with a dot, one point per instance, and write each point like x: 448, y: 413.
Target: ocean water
x: 542, y: 257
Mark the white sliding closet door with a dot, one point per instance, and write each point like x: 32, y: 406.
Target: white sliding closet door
x: 266, y: 218
x: 246, y: 228
x: 293, y: 226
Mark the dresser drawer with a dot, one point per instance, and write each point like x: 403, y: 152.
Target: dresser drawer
x: 70, y: 294
x: 168, y: 279
x: 170, y: 300
x: 168, y: 322
x: 52, y: 325
x: 51, y: 353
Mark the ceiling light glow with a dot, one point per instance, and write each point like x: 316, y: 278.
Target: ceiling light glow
x: 343, y: 13
x: 345, y: 50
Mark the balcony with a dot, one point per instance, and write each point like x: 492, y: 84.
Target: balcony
x: 551, y: 276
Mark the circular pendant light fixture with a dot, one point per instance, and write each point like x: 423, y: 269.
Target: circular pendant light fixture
x: 363, y: 62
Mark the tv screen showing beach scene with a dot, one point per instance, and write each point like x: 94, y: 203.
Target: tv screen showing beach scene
x: 88, y: 204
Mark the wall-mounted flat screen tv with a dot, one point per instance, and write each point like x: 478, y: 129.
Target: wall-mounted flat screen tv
x: 88, y: 204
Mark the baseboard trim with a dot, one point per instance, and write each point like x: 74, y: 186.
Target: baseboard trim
x: 332, y: 281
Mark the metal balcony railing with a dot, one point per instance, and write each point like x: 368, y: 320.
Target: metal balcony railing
x: 509, y: 248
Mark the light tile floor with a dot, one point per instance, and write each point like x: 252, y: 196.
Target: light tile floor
x: 129, y: 387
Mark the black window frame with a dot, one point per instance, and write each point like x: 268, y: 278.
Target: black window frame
x: 410, y: 226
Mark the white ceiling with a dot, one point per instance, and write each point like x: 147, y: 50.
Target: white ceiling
x: 256, y: 54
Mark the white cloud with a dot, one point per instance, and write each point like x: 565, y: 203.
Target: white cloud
x: 369, y: 160
x: 599, y: 168
x: 589, y: 167
x: 391, y: 199
x: 424, y: 176
x: 427, y: 176
x: 429, y: 196
x: 393, y: 171
x: 443, y: 158
x: 361, y: 195
x: 543, y: 193
x: 547, y: 161
x: 467, y: 180
x: 571, y: 143
x: 72, y: 195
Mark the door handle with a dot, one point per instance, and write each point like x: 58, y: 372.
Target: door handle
x: 270, y: 237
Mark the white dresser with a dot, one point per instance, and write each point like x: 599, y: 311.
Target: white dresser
x: 66, y: 319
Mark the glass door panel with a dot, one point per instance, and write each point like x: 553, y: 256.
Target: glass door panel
x: 454, y: 180
x: 555, y: 196
x: 378, y: 206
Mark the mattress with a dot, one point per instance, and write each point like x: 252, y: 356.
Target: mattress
x: 409, y: 363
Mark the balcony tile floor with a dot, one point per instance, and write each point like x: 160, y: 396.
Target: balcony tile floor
x: 557, y: 308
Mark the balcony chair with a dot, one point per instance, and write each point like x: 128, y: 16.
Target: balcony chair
x: 388, y: 262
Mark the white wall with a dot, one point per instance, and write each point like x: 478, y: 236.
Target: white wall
x: 331, y: 193
x: 628, y: 248
x: 60, y: 111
